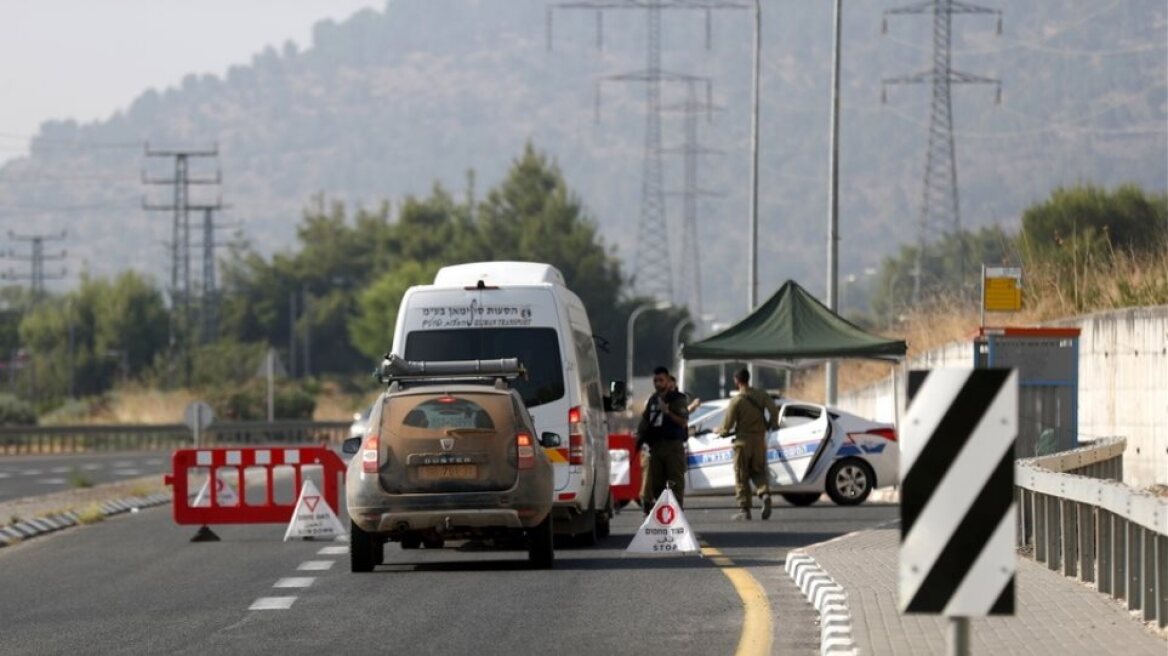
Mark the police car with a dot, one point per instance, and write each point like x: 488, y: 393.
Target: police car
x: 816, y: 449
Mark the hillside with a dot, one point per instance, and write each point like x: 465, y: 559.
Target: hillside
x: 385, y: 103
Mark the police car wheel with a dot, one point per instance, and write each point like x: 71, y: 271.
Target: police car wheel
x: 850, y: 481
x: 801, y: 498
x: 363, y: 549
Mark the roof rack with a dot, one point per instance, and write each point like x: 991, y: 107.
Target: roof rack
x: 395, y: 369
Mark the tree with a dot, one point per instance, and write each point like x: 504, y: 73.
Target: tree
x: 1098, y: 221
x: 941, y: 275
x: 371, y: 328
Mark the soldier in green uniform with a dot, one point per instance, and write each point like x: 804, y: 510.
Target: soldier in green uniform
x: 748, y: 414
x: 663, y: 429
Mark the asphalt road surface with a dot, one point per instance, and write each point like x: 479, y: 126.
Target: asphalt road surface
x: 135, y: 584
x: 26, y: 476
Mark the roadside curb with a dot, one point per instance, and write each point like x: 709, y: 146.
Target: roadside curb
x: 829, y: 600
x: 11, y: 534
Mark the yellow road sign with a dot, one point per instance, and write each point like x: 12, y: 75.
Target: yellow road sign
x: 1002, y: 289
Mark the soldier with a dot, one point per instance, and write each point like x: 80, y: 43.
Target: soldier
x: 663, y: 429
x: 748, y: 413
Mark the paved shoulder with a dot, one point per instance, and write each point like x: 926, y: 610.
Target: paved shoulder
x: 1054, y: 614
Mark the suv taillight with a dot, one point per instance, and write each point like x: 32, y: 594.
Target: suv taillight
x: 525, y: 450
x: 575, y: 437
x: 370, y: 455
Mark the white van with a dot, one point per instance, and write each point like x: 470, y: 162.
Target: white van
x: 522, y: 309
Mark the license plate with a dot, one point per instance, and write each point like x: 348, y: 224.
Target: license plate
x: 447, y: 472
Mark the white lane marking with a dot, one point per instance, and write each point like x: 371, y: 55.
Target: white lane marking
x: 93, y: 467
x: 32, y: 472
x: 51, y: 481
x: 128, y: 472
x: 333, y: 551
x: 294, y: 582
x: 316, y: 565
x: 4, y: 474
x: 123, y: 463
x: 61, y: 470
x: 272, y: 603
x: 154, y: 461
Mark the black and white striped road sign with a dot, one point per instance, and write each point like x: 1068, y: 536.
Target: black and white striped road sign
x: 957, y: 493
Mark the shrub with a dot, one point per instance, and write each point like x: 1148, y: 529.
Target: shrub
x: 15, y: 412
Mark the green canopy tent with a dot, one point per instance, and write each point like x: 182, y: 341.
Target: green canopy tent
x: 793, y: 327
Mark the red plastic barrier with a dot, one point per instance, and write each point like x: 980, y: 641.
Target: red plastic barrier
x: 210, y: 461
x: 618, y: 446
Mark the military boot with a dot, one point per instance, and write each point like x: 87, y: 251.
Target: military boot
x: 766, y: 507
x: 741, y: 516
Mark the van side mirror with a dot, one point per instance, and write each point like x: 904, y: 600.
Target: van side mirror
x: 618, y: 396
x: 550, y: 440
x: 351, y: 446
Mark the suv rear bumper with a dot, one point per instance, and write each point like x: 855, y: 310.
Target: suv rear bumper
x: 439, y: 521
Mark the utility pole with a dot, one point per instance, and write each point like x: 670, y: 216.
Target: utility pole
x: 652, y: 228
x: 831, y: 370
x: 180, y: 243
x: 36, y: 259
x: 940, y: 210
x: 691, y: 150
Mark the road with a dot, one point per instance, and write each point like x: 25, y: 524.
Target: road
x: 26, y: 476
x: 135, y: 584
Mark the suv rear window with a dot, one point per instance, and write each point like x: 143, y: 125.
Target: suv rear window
x: 448, y: 412
x: 537, y: 348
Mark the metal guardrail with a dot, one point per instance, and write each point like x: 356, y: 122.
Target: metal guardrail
x: 1077, y: 516
x: 144, y: 437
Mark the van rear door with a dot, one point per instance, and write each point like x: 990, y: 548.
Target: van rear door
x: 538, y: 348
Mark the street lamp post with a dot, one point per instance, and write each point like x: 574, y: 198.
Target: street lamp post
x: 659, y: 305
x: 677, y: 335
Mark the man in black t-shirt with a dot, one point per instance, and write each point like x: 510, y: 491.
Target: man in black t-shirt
x: 663, y: 428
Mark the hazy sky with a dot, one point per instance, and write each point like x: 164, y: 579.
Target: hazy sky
x: 84, y: 59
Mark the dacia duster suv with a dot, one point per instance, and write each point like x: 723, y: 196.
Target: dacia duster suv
x: 450, y: 454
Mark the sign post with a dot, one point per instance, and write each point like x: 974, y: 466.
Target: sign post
x: 958, y: 516
x: 198, y: 416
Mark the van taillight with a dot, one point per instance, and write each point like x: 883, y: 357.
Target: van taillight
x: 575, y: 437
x: 525, y: 449
x: 370, y: 455
x: 887, y: 433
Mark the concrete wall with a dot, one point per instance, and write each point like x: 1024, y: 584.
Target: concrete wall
x: 1123, y: 385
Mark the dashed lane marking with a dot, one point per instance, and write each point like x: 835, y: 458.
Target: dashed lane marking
x: 333, y: 551
x: 154, y: 461
x: 4, y: 474
x: 60, y: 470
x: 272, y: 603
x: 295, y: 582
x: 757, y: 627
x: 32, y: 472
x: 128, y: 472
x: 51, y: 481
x: 316, y: 565
x: 92, y: 467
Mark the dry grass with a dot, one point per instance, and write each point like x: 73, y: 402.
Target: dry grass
x: 139, y: 405
x: 333, y: 404
x: 1052, y: 291
x: 90, y: 514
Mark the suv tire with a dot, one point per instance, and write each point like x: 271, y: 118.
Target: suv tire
x: 541, y: 550
x: 411, y: 543
x: 364, y: 549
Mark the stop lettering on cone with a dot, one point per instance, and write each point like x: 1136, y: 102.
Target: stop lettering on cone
x: 313, y: 517
x: 665, y: 531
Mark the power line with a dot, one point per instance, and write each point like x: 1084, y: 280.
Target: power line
x: 36, y: 260
x: 940, y: 209
x: 180, y: 244
x: 689, y: 273
x: 650, y: 278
